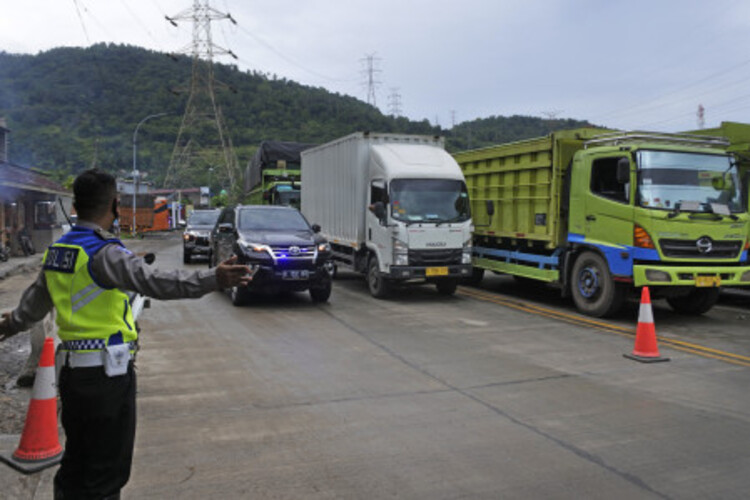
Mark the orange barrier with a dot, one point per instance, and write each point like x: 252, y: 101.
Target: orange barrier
x: 40, y: 445
x: 646, y: 349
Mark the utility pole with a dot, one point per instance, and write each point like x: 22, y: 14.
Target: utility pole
x: 370, y: 74
x: 203, y: 115
x: 394, y: 103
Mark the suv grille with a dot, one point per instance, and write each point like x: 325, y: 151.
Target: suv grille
x: 294, y: 252
x: 702, y: 248
x: 435, y: 257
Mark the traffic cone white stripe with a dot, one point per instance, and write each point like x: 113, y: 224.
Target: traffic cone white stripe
x: 645, y: 313
x: 44, y: 383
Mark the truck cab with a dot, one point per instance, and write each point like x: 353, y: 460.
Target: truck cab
x: 669, y: 215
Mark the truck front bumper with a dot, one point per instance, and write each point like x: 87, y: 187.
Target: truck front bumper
x: 692, y: 276
x: 431, y: 272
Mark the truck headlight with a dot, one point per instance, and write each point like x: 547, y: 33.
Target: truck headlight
x: 324, y: 247
x: 466, y: 255
x: 400, y: 253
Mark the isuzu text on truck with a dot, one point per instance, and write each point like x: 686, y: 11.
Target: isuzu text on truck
x: 599, y: 213
x: 394, y: 207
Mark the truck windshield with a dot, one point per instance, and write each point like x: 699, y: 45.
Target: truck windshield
x: 272, y: 219
x: 203, y: 218
x: 688, y: 182
x: 429, y: 200
x: 290, y: 198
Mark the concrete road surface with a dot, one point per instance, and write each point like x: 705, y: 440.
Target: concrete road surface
x: 422, y: 397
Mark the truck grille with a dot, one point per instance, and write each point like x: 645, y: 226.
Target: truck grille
x: 201, y: 241
x: 435, y: 257
x: 702, y: 248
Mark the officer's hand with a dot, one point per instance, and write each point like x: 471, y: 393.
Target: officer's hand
x: 5, y: 332
x: 229, y: 274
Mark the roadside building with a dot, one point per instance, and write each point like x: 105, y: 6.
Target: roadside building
x: 30, y: 203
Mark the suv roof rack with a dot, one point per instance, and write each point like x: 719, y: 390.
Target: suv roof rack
x: 617, y: 138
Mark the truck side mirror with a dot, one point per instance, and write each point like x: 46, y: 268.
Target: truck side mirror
x: 316, y: 228
x: 490, y: 207
x: 623, y: 171
x: 378, y: 208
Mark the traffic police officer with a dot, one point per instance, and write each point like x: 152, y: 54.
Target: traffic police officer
x: 84, y: 277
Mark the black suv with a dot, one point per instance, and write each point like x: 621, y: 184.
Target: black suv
x: 195, y: 239
x: 278, y: 243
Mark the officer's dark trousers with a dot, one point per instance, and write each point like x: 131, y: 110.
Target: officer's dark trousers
x: 98, y: 415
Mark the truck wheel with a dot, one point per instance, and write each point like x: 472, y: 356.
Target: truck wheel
x: 446, y: 286
x: 379, y: 285
x: 321, y: 293
x: 696, y: 302
x: 477, y: 273
x: 240, y: 296
x: 594, y: 292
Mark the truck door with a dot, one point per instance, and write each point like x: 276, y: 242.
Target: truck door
x: 608, y: 207
x: 378, y: 234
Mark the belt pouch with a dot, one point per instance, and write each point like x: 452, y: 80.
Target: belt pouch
x: 115, y: 359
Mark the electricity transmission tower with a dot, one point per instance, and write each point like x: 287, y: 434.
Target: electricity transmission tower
x: 394, y: 103
x: 370, y: 72
x: 203, y: 120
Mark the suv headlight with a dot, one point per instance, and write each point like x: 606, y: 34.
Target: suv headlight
x: 254, y: 247
x: 324, y: 247
x: 400, y: 253
x: 466, y: 255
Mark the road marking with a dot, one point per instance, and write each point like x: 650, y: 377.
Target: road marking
x: 680, y: 345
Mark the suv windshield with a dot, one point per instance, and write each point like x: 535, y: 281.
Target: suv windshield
x: 429, y: 200
x: 203, y: 218
x: 272, y: 219
x: 688, y: 182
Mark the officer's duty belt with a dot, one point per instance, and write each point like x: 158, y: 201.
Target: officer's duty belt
x: 73, y: 355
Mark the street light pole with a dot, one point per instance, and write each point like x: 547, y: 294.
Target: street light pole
x: 135, y: 168
x: 210, y: 169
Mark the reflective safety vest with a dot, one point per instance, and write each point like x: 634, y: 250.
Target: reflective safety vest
x: 86, y: 310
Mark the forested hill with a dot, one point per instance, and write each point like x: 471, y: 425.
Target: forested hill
x: 70, y: 108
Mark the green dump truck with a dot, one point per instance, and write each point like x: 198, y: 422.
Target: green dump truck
x: 600, y: 213
x: 273, y: 174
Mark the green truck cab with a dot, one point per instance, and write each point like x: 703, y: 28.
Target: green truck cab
x: 273, y: 174
x: 600, y: 213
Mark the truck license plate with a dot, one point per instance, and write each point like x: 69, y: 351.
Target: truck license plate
x: 708, y: 281
x: 295, y: 275
x: 436, y: 271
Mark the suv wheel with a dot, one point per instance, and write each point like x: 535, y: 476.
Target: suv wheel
x: 240, y: 295
x: 322, y: 292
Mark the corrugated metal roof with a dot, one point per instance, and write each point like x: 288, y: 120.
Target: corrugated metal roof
x: 19, y: 177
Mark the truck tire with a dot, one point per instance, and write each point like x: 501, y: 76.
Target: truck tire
x: 695, y: 303
x: 322, y: 292
x: 240, y: 296
x: 594, y: 292
x: 379, y: 286
x: 477, y: 273
x: 447, y: 286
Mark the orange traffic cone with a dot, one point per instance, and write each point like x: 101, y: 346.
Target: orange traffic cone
x: 646, y: 350
x: 40, y: 445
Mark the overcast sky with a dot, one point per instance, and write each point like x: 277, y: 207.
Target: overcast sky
x: 637, y: 64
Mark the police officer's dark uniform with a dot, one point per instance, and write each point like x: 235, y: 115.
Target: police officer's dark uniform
x: 83, y: 276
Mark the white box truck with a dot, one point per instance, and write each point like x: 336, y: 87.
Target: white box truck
x: 394, y: 207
